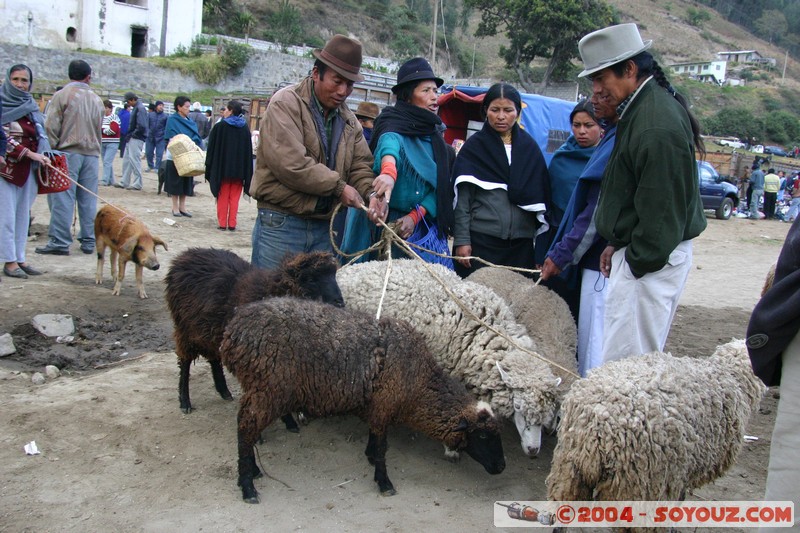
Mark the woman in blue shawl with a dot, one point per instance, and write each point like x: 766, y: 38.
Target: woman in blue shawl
x: 578, y: 246
x: 179, y: 187
x: 27, y: 145
x: 566, y: 166
x: 412, y: 162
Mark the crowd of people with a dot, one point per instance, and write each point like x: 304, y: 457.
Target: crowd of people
x: 608, y: 224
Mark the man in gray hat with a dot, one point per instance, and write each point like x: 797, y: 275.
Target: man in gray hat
x: 312, y: 156
x: 650, y: 207
x: 137, y: 136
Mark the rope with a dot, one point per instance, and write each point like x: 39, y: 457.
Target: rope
x: 64, y: 174
x: 409, y: 249
x: 385, y: 240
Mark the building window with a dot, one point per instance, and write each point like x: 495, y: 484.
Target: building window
x: 72, y: 34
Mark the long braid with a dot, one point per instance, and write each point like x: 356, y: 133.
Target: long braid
x: 662, y: 81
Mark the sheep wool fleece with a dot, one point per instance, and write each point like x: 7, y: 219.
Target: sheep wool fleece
x: 461, y: 345
x: 653, y: 427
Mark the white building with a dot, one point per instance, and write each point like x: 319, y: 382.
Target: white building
x: 746, y: 56
x: 138, y: 28
x: 708, y: 71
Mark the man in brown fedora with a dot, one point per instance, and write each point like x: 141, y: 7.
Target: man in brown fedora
x: 366, y: 114
x: 649, y: 208
x: 312, y: 156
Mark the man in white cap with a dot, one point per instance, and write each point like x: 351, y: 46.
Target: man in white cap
x: 312, y: 156
x: 650, y: 207
x: 199, y: 118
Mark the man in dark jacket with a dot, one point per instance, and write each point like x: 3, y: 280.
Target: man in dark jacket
x: 199, y: 118
x: 774, y: 345
x: 137, y: 135
x: 154, y: 147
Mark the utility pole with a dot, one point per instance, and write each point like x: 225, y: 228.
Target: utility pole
x: 164, y: 19
x: 785, y: 60
x: 435, y: 20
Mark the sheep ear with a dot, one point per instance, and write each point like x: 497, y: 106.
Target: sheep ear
x: 462, y: 425
x: 503, y: 374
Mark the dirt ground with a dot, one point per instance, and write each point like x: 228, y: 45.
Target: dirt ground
x: 118, y: 454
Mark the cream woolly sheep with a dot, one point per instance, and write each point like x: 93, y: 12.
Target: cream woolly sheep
x: 289, y: 353
x: 653, y: 427
x: 516, y: 384
x: 544, y: 314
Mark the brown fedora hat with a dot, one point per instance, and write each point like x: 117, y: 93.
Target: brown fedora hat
x: 367, y: 110
x: 343, y: 55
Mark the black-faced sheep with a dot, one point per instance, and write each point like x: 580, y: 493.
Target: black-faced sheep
x: 516, y: 384
x: 545, y: 315
x: 653, y: 427
x: 289, y: 353
x: 204, y: 286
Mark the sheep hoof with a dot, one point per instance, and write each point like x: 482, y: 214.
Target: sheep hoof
x: 227, y: 396
x: 252, y: 499
x: 186, y: 410
x: 388, y: 492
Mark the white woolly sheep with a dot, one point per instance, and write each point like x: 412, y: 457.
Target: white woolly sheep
x: 516, y: 384
x: 544, y: 314
x: 653, y: 427
x: 289, y: 353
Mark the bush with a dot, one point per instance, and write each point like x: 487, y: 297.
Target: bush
x: 738, y: 121
x: 286, y: 26
x: 236, y: 56
x: 782, y: 127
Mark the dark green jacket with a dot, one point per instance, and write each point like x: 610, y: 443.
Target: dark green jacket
x: 650, y: 199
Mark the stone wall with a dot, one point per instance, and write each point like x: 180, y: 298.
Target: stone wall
x: 113, y: 75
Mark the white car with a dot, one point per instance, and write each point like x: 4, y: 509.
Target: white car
x: 733, y: 142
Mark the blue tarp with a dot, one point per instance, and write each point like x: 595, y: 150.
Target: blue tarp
x: 545, y: 119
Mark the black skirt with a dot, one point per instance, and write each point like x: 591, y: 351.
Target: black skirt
x: 176, y: 185
x: 506, y: 252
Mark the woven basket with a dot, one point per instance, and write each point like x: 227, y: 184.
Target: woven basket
x: 189, y: 159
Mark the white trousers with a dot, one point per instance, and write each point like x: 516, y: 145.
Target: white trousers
x: 784, y: 466
x: 590, y: 320
x: 639, y: 312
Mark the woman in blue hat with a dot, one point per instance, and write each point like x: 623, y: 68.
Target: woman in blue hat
x: 412, y: 162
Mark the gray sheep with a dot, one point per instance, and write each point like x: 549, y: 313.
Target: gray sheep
x: 291, y: 354
x: 544, y: 314
x: 516, y: 384
x: 653, y: 427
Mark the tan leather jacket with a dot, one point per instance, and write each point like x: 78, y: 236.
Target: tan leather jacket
x: 291, y: 174
x: 74, y: 120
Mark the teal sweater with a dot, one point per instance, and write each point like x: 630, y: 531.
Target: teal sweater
x: 650, y: 199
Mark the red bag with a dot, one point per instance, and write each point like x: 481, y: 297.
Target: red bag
x: 54, y: 178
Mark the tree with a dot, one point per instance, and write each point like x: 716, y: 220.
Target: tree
x: 539, y: 29
x: 697, y: 17
x: 738, y: 121
x: 772, y: 25
x: 286, y: 25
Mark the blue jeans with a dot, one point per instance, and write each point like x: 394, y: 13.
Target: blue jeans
x: 277, y: 234
x: 132, y: 163
x: 154, y: 152
x: 109, y: 152
x: 84, y: 169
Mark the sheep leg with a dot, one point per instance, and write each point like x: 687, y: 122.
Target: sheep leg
x: 183, y: 385
x: 376, y: 455
x: 255, y: 413
x: 219, y: 379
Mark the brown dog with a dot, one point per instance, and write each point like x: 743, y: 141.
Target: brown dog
x: 129, y: 239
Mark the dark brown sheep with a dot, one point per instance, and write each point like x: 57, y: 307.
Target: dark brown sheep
x: 205, y: 285
x: 289, y: 354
